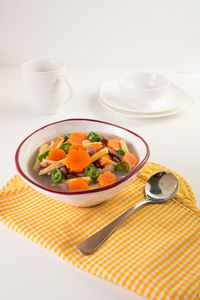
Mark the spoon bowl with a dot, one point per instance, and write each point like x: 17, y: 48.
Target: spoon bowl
x: 160, y: 187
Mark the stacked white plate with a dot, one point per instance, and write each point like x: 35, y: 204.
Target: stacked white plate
x: 175, y: 101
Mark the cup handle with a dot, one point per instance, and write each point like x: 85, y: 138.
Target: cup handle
x: 69, y: 85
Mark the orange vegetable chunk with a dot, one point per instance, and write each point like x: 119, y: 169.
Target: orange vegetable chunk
x: 77, y: 160
x: 131, y: 159
x: 78, y: 184
x: 58, y: 142
x: 113, y: 144
x: 106, y: 178
x: 102, y: 162
x: 76, y: 147
x: 56, y: 154
x: 77, y: 138
x: 94, y: 145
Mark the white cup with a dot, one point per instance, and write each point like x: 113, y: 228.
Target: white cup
x: 46, y: 84
x: 143, y: 89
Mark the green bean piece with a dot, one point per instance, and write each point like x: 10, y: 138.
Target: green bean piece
x: 122, y: 166
x: 92, y: 172
x: 57, y: 176
x: 120, y: 151
x: 94, y: 137
x: 67, y: 136
x: 66, y: 147
x: 43, y: 155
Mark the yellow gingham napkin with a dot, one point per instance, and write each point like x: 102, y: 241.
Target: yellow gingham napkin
x: 155, y: 252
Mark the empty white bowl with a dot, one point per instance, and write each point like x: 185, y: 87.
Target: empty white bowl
x: 142, y: 89
x: 84, y: 198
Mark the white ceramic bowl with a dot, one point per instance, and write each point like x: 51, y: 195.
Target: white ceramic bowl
x: 142, y: 89
x: 79, y: 198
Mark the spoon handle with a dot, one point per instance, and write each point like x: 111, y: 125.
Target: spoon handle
x: 91, y: 244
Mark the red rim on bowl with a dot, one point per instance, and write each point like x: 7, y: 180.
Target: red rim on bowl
x: 131, y: 173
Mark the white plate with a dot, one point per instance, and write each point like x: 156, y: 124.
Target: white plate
x: 174, y: 99
x: 140, y: 115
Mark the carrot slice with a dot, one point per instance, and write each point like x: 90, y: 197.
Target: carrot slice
x: 102, y: 162
x: 78, y: 184
x: 76, y: 147
x: 106, y: 178
x: 77, y: 160
x: 131, y: 159
x: 56, y: 154
x: 77, y: 138
x: 58, y: 142
x: 114, y: 144
x: 97, y: 146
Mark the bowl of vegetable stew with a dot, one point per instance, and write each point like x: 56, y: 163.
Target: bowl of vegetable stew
x: 81, y: 162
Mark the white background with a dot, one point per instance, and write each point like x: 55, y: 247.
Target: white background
x: 102, y: 32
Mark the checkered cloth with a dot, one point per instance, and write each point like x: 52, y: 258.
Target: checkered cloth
x: 155, y: 252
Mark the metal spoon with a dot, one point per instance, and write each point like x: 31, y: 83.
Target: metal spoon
x: 160, y: 187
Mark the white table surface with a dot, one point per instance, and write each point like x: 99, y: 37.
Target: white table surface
x: 27, y: 270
